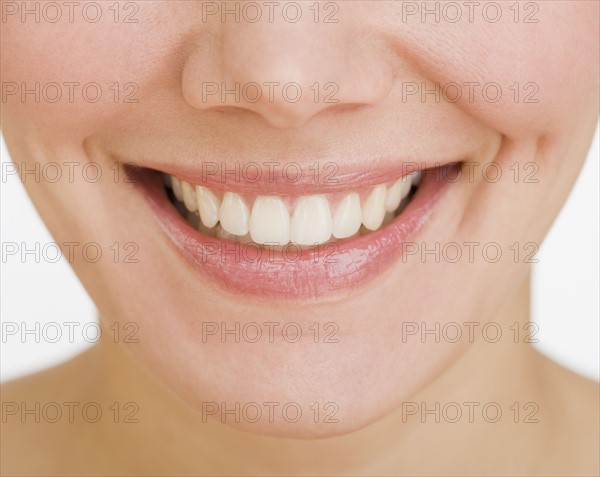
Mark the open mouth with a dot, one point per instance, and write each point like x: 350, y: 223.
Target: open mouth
x: 286, y: 221
x: 257, y: 241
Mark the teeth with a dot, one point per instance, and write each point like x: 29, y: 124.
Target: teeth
x: 373, y: 210
x: 416, y: 178
x: 189, y: 196
x: 270, y: 221
x: 394, y: 196
x: 400, y: 190
x: 234, y: 214
x: 208, y: 206
x: 311, y: 222
x: 192, y: 219
x: 347, y: 217
x: 206, y: 230
x: 176, y: 186
x: 221, y: 233
x: 406, y: 184
x: 389, y: 217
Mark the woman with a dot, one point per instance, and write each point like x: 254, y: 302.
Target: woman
x: 315, y: 224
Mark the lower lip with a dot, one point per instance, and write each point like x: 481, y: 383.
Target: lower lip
x: 325, y: 271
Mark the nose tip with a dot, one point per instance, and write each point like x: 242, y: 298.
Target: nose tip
x: 287, y: 74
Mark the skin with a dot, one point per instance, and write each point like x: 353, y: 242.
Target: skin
x: 370, y: 372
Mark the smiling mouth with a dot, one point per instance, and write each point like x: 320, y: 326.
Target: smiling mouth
x: 292, y: 246
x: 280, y: 221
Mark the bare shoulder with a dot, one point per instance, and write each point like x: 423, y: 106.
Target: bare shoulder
x: 573, y: 405
x: 40, y: 417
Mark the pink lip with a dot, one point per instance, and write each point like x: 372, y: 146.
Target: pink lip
x: 292, y: 273
x: 282, y: 179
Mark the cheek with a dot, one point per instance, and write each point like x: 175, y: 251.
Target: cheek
x: 526, y: 78
x: 68, y: 80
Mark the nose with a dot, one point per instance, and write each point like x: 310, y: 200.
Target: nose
x: 286, y: 72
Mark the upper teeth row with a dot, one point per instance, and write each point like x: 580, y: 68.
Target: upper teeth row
x: 310, y: 223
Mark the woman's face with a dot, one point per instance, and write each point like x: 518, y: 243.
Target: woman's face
x: 210, y: 93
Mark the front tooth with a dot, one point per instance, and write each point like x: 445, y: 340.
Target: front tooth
x: 234, y: 214
x: 394, y: 196
x: 373, y: 210
x: 311, y: 222
x: 347, y: 217
x: 177, y: 190
x: 189, y: 196
x: 270, y: 221
x: 208, y: 206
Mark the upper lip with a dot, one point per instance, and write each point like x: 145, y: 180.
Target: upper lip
x: 292, y: 178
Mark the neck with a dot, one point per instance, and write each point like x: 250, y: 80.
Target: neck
x: 451, y: 419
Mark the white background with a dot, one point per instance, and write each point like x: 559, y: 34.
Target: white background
x: 565, y: 291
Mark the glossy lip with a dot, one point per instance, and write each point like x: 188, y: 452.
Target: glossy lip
x: 293, y: 274
x: 268, y: 178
